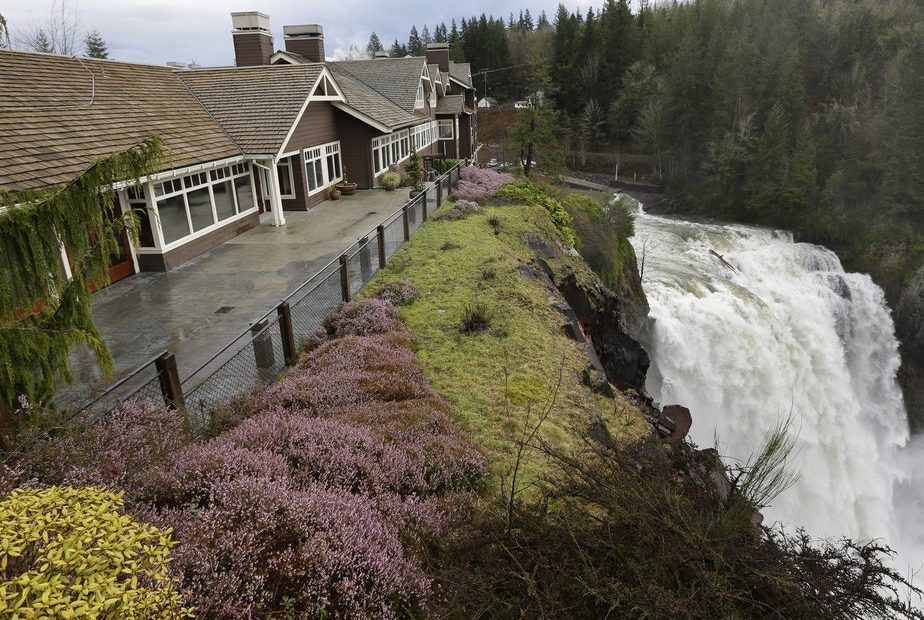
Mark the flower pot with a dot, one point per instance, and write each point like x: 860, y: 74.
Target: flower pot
x: 347, y: 188
x: 335, y: 195
x: 389, y: 188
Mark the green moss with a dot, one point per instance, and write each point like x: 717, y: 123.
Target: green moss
x: 493, y: 378
x: 528, y: 194
x: 603, y: 236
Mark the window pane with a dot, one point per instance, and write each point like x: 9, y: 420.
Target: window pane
x: 200, y: 208
x: 312, y: 179
x: 319, y: 171
x: 285, y: 181
x: 173, y: 218
x: 145, y: 231
x: 337, y: 168
x: 375, y: 157
x: 224, y: 201
x: 244, y: 193
x: 331, y: 173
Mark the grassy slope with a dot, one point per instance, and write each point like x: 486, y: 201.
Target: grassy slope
x: 494, y: 378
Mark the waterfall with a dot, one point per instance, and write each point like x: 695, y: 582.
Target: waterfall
x: 748, y: 327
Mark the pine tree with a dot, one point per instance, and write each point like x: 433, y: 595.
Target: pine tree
x: 527, y: 20
x: 95, y: 46
x: 440, y: 34
x: 397, y: 50
x: 42, y: 44
x: 456, y: 53
x: 543, y: 21
x: 415, y: 43
x: 374, y: 45
x: 425, y: 37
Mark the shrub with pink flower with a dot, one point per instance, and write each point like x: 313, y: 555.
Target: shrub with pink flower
x: 479, y: 184
x: 321, y: 497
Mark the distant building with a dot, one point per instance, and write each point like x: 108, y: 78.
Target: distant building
x: 487, y: 102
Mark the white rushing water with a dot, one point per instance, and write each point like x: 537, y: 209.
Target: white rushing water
x: 747, y: 328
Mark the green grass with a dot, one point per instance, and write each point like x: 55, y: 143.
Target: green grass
x: 493, y: 378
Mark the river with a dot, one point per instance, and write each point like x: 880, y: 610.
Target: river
x: 747, y: 328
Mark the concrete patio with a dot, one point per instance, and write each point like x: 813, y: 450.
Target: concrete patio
x: 196, y: 309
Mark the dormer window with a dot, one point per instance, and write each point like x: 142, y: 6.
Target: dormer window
x: 419, y: 103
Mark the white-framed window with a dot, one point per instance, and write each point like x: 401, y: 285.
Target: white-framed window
x: 286, y: 178
x: 323, y: 166
x: 419, y: 102
x: 195, y: 203
x: 447, y: 129
x: 395, y: 147
x: 137, y: 202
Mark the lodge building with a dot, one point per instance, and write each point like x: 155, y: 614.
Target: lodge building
x: 272, y: 134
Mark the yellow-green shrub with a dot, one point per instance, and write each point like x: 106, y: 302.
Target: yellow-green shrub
x: 69, y: 552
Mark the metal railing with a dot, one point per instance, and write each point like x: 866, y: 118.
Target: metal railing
x: 259, y: 355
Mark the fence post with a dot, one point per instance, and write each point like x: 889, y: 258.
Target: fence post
x: 289, y: 350
x: 263, y: 350
x: 407, y: 224
x: 439, y: 195
x: 345, y: 277
x: 380, y: 233
x: 365, y: 260
x: 170, y: 385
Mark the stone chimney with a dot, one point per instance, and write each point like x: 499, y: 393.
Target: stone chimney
x: 253, y: 43
x: 438, y: 54
x: 306, y: 39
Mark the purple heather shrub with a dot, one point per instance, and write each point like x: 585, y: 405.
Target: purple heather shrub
x: 327, y: 551
x: 478, y: 184
x: 351, y: 370
x: 399, y: 292
x: 116, y: 451
x: 363, y: 317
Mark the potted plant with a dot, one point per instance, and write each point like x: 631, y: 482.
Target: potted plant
x: 391, y: 180
x: 334, y: 192
x: 414, y: 174
x: 345, y: 186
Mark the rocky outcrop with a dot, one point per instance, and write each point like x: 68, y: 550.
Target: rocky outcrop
x: 604, y: 319
x: 909, y: 327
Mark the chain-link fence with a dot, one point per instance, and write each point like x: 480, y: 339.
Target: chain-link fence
x: 258, y: 356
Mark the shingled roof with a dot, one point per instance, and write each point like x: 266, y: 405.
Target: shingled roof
x: 461, y: 72
x: 450, y: 104
x: 394, y: 78
x: 369, y: 102
x: 58, y: 115
x: 257, y: 106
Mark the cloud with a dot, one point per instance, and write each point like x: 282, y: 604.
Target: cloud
x: 157, y: 31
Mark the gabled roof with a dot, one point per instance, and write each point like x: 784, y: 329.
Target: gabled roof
x: 368, y: 104
x: 462, y: 73
x: 257, y: 106
x: 450, y: 104
x: 437, y: 78
x: 394, y: 78
x: 58, y: 115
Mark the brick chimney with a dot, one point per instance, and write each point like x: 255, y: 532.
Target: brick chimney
x: 438, y: 54
x: 306, y: 39
x: 253, y: 43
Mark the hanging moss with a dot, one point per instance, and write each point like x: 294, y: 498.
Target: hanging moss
x: 43, y: 314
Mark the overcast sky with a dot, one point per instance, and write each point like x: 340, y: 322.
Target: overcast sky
x: 184, y: 30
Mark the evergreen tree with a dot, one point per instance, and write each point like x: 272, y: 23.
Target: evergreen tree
x: 440, y: 34
x: 425, y: 36
x: 42, y: 43
x: 95, y: 46
x: 415, y: 43
x: 527, y: 20
x: 543, y: 21
x: 374, y: 45
x: 769, y: 165
x: 397, y: 50
x: 456, y: 53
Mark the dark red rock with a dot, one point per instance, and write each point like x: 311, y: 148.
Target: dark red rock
x: 680, y: 418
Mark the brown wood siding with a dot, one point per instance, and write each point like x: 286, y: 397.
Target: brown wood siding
x: 176, y: 257
x: 356, y: 148
x: 318, y: 125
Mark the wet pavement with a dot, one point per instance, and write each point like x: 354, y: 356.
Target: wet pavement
x: 196, y: 309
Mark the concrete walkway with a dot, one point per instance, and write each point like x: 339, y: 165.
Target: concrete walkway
x: 196, y: 309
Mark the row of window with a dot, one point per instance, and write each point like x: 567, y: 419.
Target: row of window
x: 396, y: 147
x: 323, y: 166
x: 192, y: 203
